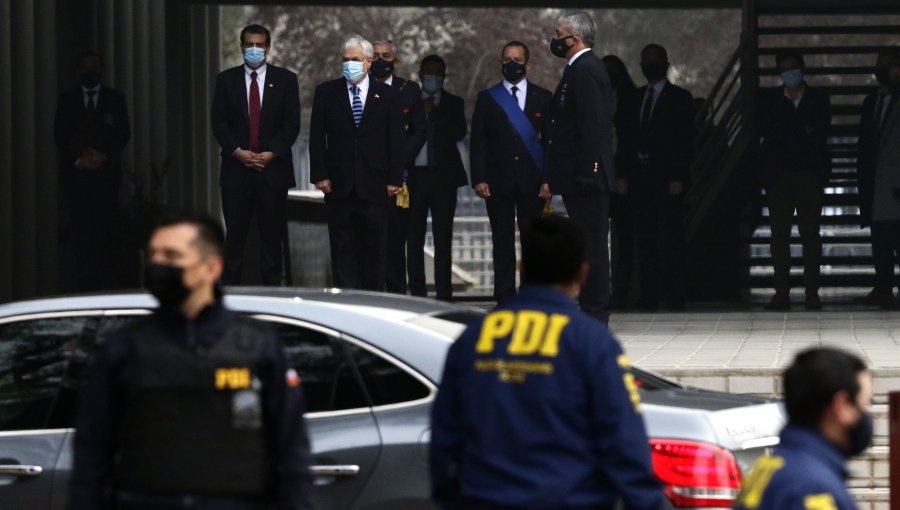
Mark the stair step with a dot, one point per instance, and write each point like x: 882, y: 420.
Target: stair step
x: 836, y: 219
x: 848, y: 90
x: 829, y: 29
x: 846, y: 109
x: 823, y: 71
x: 764, y: 240
x: 826, y: 50
x: 825, y: 280
x: 827, y: 260
x: 844, y: 130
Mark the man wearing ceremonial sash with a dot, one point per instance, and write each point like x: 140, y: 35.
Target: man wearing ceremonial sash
x: 507, y: 158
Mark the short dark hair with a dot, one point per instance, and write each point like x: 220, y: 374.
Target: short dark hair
x: 516, y: 43
x: 655, y: 47
x: 257, y: 29
x: 814, y: 378
x: 433, y: 59
x: 210, y: 235
x: 789, y: 55
x: 553, y: 251
x: 88, y: 54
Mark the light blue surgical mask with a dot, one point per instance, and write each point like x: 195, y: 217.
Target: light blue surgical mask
x: 792, y: 78
x: 353, y: 71
x: 254, y: 57
x: 432, y: 83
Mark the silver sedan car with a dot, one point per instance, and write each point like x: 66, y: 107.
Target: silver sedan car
x: 370, y: 366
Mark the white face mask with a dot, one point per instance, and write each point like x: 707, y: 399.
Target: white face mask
x: 353, y: 71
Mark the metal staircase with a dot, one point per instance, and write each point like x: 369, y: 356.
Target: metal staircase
x: 727, y: 207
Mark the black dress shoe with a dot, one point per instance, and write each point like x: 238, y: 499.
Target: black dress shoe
x: 779, y: 302
x: 813, y: 302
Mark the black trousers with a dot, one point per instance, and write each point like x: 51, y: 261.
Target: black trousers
x: 801, y: 191
x: 591, y: 209
x: 357, y: 231
x: 397, y: 235
x: 622, y: 250
x: 93, y: 209
x: 244, y: 196
x: 427, y: 193
x: 503, y: 212
x: 659, y: 240
x: 885, y: 253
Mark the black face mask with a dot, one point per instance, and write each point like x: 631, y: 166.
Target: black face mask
x: 558, y: 46
x: 89, y: 79
x: 381, y: 69
x: 166, y: 283
x: 654, y: 71
x: 883, y: 75
x: 513, y: 71
x: 860, y: 435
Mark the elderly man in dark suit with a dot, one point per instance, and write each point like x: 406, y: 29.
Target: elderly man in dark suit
x: 438, y: 172
x: 507, y: 158
x: 409, y: 100
x: 356, y: 143
x: 91, y: 129
x: 580, y: 157
x: 655, y: 161
x: 255, y: 119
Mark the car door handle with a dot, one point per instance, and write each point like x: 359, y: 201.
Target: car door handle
x: 20, y: 470
x: 335, y: 470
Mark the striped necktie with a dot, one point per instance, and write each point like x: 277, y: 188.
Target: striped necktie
x: 357, y: 105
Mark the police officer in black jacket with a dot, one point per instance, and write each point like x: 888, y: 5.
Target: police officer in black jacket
x: 192, y: 407
x: 409, y: 100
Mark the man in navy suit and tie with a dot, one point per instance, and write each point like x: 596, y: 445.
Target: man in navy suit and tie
x: 409, y: 100
x: 255, y: 119
x: 579, y: 156
x: 655, y: 156
x: 356, y: 147
x: 507, y: 159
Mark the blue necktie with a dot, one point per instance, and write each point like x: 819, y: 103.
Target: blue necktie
x: 357, y: 105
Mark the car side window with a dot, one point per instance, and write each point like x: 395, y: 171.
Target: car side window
x: 326, y: 373
x: 386, y: 382
x: 34, y: 357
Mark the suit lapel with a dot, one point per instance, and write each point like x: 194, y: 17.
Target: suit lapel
x: 266, y: 93
x: 241, y: 84
x: 371, y: 98
x: 342, y: 95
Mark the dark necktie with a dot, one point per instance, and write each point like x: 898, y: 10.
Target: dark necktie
x: 879, y: 111
x: 357, y: 105
x: 254, y: 113
x: 647, y: 112
x: 515, y: 91
x: 92, y: 103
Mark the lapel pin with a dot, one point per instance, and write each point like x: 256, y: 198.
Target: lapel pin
x: 271, y: 85
x: 376, y: 96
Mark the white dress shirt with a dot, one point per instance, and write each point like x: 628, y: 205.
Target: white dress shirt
x: 799, y: 96
x: 422, y: 158
x: 363, y: 91
x: 657, y: 90
x: 575, y: 56
x: 520, y: 94
x: 260, y: 83
x: 86, y: 96
x: 389, y: 81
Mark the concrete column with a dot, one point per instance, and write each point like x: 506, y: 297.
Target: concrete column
x: 7, y: 206
x: 24, y: 141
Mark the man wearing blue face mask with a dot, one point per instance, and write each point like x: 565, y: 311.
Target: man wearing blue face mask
x: 827, y: 393
x: 794, y: 123
x: 438, y: 172
x: 255, y: 119
x: 356, y: 147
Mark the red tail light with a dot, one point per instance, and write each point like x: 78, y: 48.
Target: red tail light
x: 696, y: 474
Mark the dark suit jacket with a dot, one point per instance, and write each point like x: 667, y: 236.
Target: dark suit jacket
x: 447, y: 126
x: 579, y: 151
x: 107, y: 131
x: 867, y: 146
x: 497, y: 154
x: 794, y: 138
x: 279, y: 122
x: 415, y: 123
x: 361, y: 160
x: 669, y: 136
